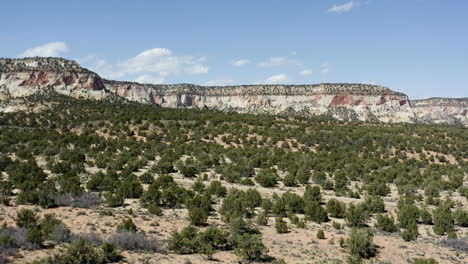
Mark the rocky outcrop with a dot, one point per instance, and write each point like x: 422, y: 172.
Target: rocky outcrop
x: 335, y: 100
x: 442, y: 110
x: 23, y: 77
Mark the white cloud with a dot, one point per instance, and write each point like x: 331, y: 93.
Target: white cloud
x: 219, y: 83
x: 240, y: 62
x: 51, y: 49
x: 276, y: 79
x: 197, y: 69
x: 278, y: 61
x: 306, y: 72
x: 150, y: 66
x: 325, y: 68
x: 339, y: 9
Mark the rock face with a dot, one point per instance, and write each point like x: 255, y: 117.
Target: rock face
x: 341, y: 101
x: 442, y: 110
x: 23, y: 77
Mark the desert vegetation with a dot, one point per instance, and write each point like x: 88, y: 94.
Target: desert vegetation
x: 113, y: 181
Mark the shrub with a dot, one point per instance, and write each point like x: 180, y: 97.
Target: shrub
x: 336, y: 208
x: 127, y: 225
x: 290, y: 180
x: 250, y: 247
x: 35, y: 236
x: 411, y: 232
x: 216, y: 188
x: 407, y: 214
x: 199, y: 208
x: 155, y: 209
x: 135, y: 241
x: 281, y: 226
x: 267, y: 178
x: 425, y: 216
x: 77, y: 252
x: 130, y: 189
x: 443, y: 220
x: 458, y: 244
x: 425, y: 261
x: 360, y: 243
x: 82, y: 200
x: 110, y: 253
x: 407, y: 211
x: 320, y: 234
x: 183, y: 242
x: 386, y: 223
x: 336, y: 225
x: 461, y: 217
x: 26, y: 218
x: 262, y: 219
x: 147, y: 178
x: 356, y: 215
x: 315, y: 212
x: 374, y: 204
x: 113, y: 200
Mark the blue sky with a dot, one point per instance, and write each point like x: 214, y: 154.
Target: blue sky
x: 419, y: 47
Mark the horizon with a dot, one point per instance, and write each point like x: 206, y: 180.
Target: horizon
x: 417, y: 47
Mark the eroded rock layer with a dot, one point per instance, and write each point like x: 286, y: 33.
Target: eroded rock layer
x: 23, y: 77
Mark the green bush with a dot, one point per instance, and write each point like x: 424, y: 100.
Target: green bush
x: 26, y: 218
x: 360, y: 243
x: 386, y: 223
x: 155, y: 209
x: 411, y: 232
x: 336, y: 208
x: 425, y: 216
x: 199, y: 209
x: 320, y: 234
x: 113, y: 199
x: 267, y: 178
x: 374, y: 204
x: 443, y: 220
x: 127, y: 225
x: 356, y: 215
x: 110, y: 253
x: 216, y: 188
x: 281, y: 226
x: 250, y: 247
x: 407, y: 214
x: 461, y: 217
x: 315, y: 212
x: 262, y: 219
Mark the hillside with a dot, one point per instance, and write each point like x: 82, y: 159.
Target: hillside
x: 164, y: 185
x: 371, y: 103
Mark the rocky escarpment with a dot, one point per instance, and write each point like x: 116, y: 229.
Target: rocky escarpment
x: 442, y: 110
x: 23, y: 77
x: 341, y: 101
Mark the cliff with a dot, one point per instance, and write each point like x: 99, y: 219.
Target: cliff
x: 23, y: 77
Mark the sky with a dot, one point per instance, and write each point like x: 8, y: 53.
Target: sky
x: 419, y: 47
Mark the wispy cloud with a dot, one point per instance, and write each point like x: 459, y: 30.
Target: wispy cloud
x: 339, y: 9
x: 240, y: 62
x: 279, y: 61
x: 150, y: 66
x: 276, y: 79
x: 306, y: 72
x: 219, y: 82
x: 325, y: 68
x: 51, y: 49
